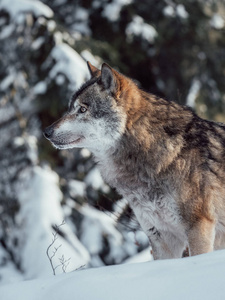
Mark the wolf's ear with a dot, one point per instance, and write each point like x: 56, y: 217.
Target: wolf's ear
x: 108, y: 78
x: 95, y: 72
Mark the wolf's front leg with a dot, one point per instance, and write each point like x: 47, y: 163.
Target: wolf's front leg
x: 201, y: 237
x: 165, y: 244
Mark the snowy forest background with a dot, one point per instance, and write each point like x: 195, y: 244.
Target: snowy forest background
x: 173, y: 48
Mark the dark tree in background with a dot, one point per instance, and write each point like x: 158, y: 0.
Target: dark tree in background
x: 172, y: 48
x: 185, y: 58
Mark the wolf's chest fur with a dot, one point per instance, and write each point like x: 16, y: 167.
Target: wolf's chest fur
x: 153, y: 206
x: 161, y: 213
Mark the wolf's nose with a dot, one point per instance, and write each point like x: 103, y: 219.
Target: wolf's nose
x: 48, y: 132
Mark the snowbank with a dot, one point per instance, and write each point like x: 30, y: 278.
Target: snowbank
x: 40, y: 198
x: 199, y: 277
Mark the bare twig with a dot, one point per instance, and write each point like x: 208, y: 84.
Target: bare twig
x: 63, y: 262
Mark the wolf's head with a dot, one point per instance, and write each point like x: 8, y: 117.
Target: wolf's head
x: 96, y: 117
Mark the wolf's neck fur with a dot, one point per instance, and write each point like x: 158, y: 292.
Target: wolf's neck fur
x: 150, y: 144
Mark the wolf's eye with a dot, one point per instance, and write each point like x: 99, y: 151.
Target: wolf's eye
x: 82, y: 109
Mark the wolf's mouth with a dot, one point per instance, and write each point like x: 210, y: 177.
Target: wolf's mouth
x: 65, y: 144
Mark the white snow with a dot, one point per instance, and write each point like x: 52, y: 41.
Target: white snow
x: 16, y: 7
x: 88, y: 56
x: 85, y: 153
x: 81, y: 23
x: 112, y: 10
x: 193, y: 92
x: 217, y: 21
x: 69, y: 63
x: 169, y: 11
x: 8, y: 80
x: 143, y: 256
x: 173, y: 10
x: 60, y: 79
x: 95, y: 226
x: 7, y: 31
x: 40, y: 88
x: 51, y: 25
x: 8, y: 273
x: 195, y: 278
x: 77, y: 188
x: 98, y: 233
x: 37, y: 43
x: 140, y: 28
x: 181, y: 11
x: 94, y: 179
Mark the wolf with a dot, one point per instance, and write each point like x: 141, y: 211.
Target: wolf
x: 164, y: 159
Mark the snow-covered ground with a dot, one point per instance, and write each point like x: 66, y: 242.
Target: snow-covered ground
x: 199, y: 277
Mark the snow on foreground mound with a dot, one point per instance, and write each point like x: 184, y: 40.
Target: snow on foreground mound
x: 199, y: 277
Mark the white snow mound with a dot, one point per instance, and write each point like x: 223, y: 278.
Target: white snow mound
x: 199, y: 277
